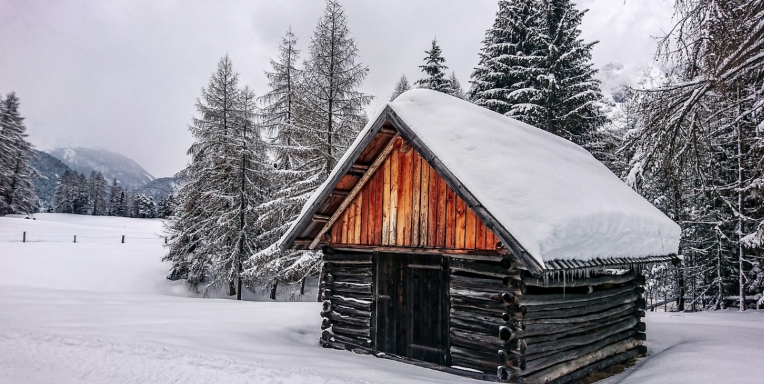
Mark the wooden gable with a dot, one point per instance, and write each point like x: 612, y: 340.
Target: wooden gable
x: 405, y: 203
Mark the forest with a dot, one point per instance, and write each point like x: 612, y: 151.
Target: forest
x: 691, y: 144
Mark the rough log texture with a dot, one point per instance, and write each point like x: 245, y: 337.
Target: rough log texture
x: 599, y: 280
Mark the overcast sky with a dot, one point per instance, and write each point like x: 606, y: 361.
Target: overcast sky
x: 124, y: 75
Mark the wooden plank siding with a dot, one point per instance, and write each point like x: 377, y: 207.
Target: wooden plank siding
x: 406, y: 203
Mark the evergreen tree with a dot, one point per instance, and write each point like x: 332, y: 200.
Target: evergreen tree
x: 455, y: 87
x: 434, y: 70
x: 214, y: 229
x: 116, y: 199
x: 145, y: 207
x: 98, y: 194
x: 505, y: 77
x: 327, y: 119
x: 17, y: 193
x: 401, y: 86
x: 566, y: 100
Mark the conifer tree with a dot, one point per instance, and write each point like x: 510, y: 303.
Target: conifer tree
x: 565, y: 102
x: 401, y: 86
x: 17, y: 193
x: 505, y: 77
x: 328, y: 117
x: 215, y: 228
x: 98, y: 193
x: 434, y: 70
x: 115, y: 199
x: 455, y: 87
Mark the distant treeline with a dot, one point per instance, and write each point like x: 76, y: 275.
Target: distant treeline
x: 79, y: 194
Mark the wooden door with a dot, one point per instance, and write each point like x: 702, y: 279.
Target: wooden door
x: 412, y: 306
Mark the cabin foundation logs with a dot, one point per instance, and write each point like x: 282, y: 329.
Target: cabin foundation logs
x: 346, y: 286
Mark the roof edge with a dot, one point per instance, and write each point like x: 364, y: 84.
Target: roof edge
x: 494, y: 225
x: 334, y: 178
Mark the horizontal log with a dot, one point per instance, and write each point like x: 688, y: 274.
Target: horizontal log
x: 467, y: 362
x: 480, y: 354
x: 571, y: 365
x: 537, y: 364
x: 557, y: 301
x: 480, y: 269
x: 497, y: 307
x: 348, y: 311
x: 538, y: 333
x: 348, y: 258
x: 481, y: 318
x: 612, y: 302
x: 478, y: 340
x: 325, y: 323
x: 459, y: 324
x: 345, y: 270
x: 640, y: 336
x: 593, y: 281
x: 578, y: 319
x: 506, y: 333
x: 570, y: 342
x: 349, y: 330
x: 342, y: 319
x: 351, y: 302
x: 349, y: 288
x: 356, y: 341
x: 349, y: 278
x: 596, y: 367
x: 477, y: 283
x: 452, y: 370
x: 641, y: 327
x: 498, y: 297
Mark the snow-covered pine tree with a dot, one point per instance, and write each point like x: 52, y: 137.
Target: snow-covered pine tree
x: 328, y: 116
x: 565, y: 99
x: 62, y: 195
x: 505, y: 77
x: 455, y: 87
x: 434, y: 70
x: 16, y: 172
x: 98, y: 194
x: 145, y: 207
x: 401, y: 86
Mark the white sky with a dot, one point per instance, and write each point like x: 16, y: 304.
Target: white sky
x: 124, y: 75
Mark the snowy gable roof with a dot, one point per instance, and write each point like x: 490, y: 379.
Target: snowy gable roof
x: 536, y: 191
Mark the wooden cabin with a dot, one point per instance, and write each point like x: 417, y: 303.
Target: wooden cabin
x: 462, y: 240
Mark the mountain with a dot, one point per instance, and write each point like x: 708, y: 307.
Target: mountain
x: 113, y: 165
x: 160, y: 188
x: 49, y: 169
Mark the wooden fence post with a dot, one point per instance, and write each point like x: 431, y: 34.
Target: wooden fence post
x: 123, y: 239
x: 75, y: 238
x: 24, y: 237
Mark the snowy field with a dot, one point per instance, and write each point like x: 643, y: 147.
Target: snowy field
x: 99, y: 311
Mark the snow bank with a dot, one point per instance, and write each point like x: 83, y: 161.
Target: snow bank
x: 553, y: 196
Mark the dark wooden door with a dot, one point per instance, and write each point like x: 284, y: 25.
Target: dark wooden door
x: 412, y: 306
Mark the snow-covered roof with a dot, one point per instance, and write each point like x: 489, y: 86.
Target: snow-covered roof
x: 552, y: 196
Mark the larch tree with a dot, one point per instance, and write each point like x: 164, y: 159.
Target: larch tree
x: 17, y: 193
x: 212, y: 231
x: 401, y: 86
x: 98, y: 193
x: 456, y: 89
x: 327, y: 118
x: 434, y: 69
x: 505, y: 79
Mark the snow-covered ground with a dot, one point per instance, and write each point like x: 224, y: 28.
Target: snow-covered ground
x: 101, y: 311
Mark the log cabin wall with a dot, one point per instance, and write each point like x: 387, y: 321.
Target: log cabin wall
x: 407, y: 204
x: 574, y: 328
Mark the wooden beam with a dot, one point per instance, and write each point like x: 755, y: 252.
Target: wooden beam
x: 599, y: 280
x: 321, y: 218
x: 353, y: 192
x: 471, y: 254
x: 340, y: 192
x: 359, y: 168
x: 388, y: 131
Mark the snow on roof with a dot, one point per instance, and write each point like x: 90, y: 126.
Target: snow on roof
x: 551, y: 195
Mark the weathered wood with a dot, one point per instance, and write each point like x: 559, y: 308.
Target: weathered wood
x: 566, y: 367
x: 479, y: 340
x: 494, y: 296
x: 578, y: 319
x: 416, y: 194
x: 622, y: 338
x: 442, y: 213
x: 354, y: 191
x: 450, y: 218
x: 640, y: 336
x: 470, y: 232
x: 394, y: 194
x: 351, y: 330
x: 452, y: 370
x: 467, y: 362
x: 343, y: 319
x: 351, y: 302
x: 342, y: 258
x: 349, y: 311
x: 460, y: 229
x: 353, y: 341
x: 478, y: 268
x: 557, y: 301
x: 404, y: 200
x: 386, y: 188
x: 424, y: 198
x: 462, y: 325
x: 536, y: 333
x: 570, y: 342
x: 350, y: 278
x: 347, y: 270
x: 477, y: 283
x: 506, y: 333
x: 593, y: 281
x: 641, y: 327
x: 349, y: 289
x: 596, y: 367
x: 624, y: 298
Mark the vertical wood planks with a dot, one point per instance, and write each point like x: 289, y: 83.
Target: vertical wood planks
x: 407, y: 204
